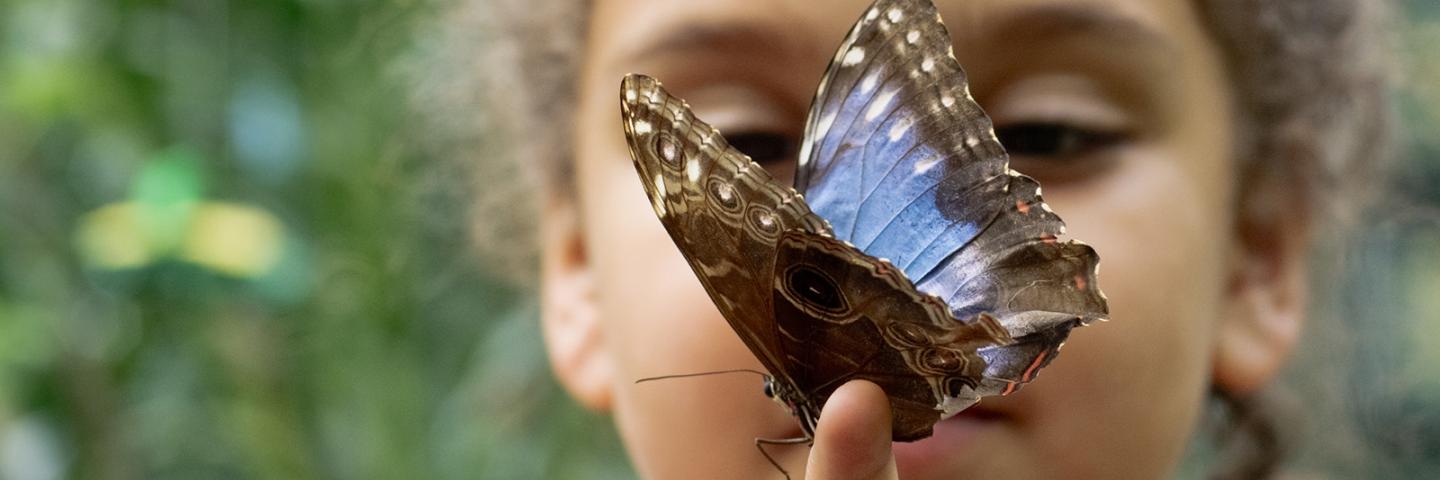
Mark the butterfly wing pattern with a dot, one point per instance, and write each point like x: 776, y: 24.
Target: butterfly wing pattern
x: 905, y: 165
x: 750, y: 239
x: 724, y: 211
x: 845, y: 315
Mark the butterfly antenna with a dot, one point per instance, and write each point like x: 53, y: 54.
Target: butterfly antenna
x: 683, y: 375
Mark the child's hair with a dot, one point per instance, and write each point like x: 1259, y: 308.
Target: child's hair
x: 1310, y: 78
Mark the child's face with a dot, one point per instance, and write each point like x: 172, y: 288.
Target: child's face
x: 1193, y: 302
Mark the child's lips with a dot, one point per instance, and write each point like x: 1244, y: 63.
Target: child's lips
x: 951, y: 439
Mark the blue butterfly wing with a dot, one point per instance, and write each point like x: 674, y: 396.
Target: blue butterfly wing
x: 893, y: 137
x: 904, y: 164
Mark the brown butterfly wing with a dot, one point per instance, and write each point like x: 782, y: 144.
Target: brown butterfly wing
x: 1016, y: 269
x: 724, y: 211
x: 845, y: 315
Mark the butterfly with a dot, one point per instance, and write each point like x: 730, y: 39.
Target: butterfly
x: 915, y: 258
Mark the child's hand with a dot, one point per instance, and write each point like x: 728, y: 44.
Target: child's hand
x: 852, y: 441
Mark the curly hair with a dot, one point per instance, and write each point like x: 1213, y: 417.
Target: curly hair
x: 1311, y: 80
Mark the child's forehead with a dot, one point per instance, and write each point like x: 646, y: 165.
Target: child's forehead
x: 694, y: 24
x: 640, y: 32
x: 1128, y: 46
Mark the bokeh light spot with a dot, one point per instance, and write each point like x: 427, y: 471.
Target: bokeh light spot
x: 111, y: 237
x: 234, y: 239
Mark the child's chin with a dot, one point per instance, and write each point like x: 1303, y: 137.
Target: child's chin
x: 954, y: 439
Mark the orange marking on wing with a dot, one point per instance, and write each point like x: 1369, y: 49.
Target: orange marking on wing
x: 1035, y: 365
x: 1080, y: 282
x: 1009, y: 388
x: 1023, y: 207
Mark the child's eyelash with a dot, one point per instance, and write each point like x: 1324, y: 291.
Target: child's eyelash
x: 765, y: 147
x: 1055, y: 139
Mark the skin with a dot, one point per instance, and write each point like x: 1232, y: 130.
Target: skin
x: 1199, y: 298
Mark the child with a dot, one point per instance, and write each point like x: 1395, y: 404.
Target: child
x: 1196, y: 144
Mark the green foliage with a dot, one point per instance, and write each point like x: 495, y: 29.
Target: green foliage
x: 222, y: 255
x: 219, y: 257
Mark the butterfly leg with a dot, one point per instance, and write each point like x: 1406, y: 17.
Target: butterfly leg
x: 760, y: 444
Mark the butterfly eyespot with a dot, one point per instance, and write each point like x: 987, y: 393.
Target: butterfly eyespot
x: 763, y: 220
x: 908, y: 335
x: 769, y: 390
x: 669, y: 151
x: 942, y: 360
x: 815, y: 289
x: 954, y: 386
x: 723, y: 195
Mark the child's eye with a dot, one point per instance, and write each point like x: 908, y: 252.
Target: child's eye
x: 766, y: 148
x: 1058, y: 151
x: 1053, y: 139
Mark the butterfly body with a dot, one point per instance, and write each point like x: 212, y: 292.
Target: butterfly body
x: 897, y: 162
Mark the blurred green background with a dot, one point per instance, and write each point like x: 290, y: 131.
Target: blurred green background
x: 224, y: 253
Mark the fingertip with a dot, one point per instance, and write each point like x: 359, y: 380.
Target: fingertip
x: 858, y: 408
x: 852, y: 440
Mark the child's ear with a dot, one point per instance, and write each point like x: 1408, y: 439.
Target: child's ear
x: 1267, y: 295
x: 569, y: 315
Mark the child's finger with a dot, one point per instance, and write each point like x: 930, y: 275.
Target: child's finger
x: 852, y: 441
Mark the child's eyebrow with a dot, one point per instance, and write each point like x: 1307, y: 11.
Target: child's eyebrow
x: 1054, y: 20
x: 684, y: 38
x: 1068, y: 20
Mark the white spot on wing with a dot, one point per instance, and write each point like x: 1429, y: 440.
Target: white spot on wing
x: 642, y: 127
x: 927, y: 164
x: 869, y: 82
x: 881, y: 103
x: 927, y: 65
x: 824, y: 126
x: 947, y: 100
x: 900, y: 128
x: 895, y: 15
x: 912, y: 37
x: 853, y: 57
x: 725, y: 191
x: 692, y: 169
